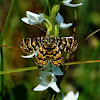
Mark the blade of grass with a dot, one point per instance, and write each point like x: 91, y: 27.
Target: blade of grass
x: 36, y: 67
x: 19, y: 70
x: 91, y: 34
x: 7, y: 20
x: 82, y: 62
x: 53, y: 97
x: 9, y: 47
x: 1, y: 54
x: 1, y: 69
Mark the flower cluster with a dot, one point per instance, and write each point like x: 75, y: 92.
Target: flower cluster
x: 33, y: 19
x: 49, y: 72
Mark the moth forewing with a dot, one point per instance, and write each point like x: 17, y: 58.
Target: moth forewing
x: 66, y: 44
x: 26, y: 46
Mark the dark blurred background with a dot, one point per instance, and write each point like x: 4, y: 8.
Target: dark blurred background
x: 84, y: 78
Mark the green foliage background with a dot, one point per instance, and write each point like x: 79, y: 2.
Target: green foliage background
x: 84, y: 78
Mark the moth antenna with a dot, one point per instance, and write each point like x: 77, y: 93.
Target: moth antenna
x: 40, y: 28
x: 9, y: 47
x: 91, y: 34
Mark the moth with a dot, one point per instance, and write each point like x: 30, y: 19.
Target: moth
x: 48, y: 48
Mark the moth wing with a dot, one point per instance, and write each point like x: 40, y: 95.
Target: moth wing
x: 42, y: 58
x: 57, y: 58
x: 67, y: 44
x: 30, y: 45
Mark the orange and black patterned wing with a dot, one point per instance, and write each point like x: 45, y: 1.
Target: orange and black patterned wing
x: 54, y: 54
x: 42, y: 58
x: 30, y: 45
x: 67, y: 44
x: 57, y: 58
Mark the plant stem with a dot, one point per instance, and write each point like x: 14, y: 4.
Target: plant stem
x: 36, y: 67
x: 82, y: 62
x: 19, y: 70
x: 7, y: 20
x: 1, y: 69
x: 1, y: 52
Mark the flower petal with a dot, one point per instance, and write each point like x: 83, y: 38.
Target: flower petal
x: 77, y: 95
x: 71, y: 96
x: 71, y: 5
x: 59, y: 18
x: 47, y: 77
x: 38, y: 79
x: 27, y: 21
x: 67, y: 1
x: 57, y: 71
x: 64, y: 25
x: 33, y: 17
x: 48, y: 66
x: 54, y: 86
x: 40, y: 87
x: 62, y: 95
x: 44, y: 74
x: 40, y: 18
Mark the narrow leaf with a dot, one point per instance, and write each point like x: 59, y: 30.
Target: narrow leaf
x: 7, y: 20
x: 82, y: 62
x: 18, y: 70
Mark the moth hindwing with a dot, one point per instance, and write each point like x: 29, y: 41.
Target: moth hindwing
x: 49, y: 48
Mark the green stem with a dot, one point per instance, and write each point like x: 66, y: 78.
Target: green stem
x: 7, y: 20
x: 1, y: 69
x: 1, y: 53
x: 19, y: 70
x: 82, y: 62
x: 36, y: 67
x: 53, y: 97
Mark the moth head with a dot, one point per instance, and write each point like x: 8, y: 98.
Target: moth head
x: 49, y: 41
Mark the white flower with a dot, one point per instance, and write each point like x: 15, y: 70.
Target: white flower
x: 60, y: 21
x: 46, y: 80
x: 51, y: 67
x: 67, y: 3
x: 32, y: 18
x: 71, y: 96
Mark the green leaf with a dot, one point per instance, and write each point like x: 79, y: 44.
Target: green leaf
x: 7, y: 20
x: 1, y: 69
x: 56, y: 32
x: 55, y: 10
